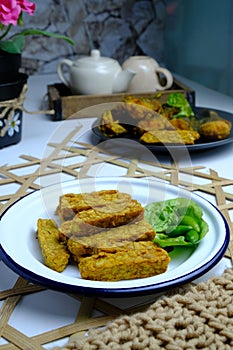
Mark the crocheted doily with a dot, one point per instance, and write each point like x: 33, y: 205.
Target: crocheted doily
x: 198, y: 317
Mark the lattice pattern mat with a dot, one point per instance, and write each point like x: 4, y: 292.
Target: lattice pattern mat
x: 70, y: 159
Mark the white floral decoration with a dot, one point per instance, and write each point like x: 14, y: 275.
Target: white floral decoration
x: 14, y: 125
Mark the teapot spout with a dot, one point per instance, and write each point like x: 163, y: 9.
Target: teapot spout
x: 122, y: 80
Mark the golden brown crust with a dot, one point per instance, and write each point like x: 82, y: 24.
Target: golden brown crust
x: 52, y: 245
x: 186, y: 137
x: 215, y: 130
x: 112, y: 215
x: 109, y: 126
x: 78, y: 228
x: 89, y: 221
x: 112, y: 209
x: 137, y: 260
x: 155, y: 123
x: 110, y: 240
x: 109, y: 227
x: 181, y: 124
x: 70, y: 204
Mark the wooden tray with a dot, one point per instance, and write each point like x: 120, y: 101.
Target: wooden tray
x: 65, y: 105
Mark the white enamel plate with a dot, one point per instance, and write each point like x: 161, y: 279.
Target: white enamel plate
x: 19, y: 247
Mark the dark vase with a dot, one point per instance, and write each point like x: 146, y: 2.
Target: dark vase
x: 9, y: 67
x: 13, y: 117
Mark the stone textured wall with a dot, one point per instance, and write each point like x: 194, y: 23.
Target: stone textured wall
x: 119, y: 28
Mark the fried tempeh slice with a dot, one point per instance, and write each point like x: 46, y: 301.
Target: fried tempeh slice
x: 110, y: 127
x: 186, y: 137
x: 78, y: 228
x: 215, y: 129
x: 70, y: 204
x: 110, y: 240
x: 112, y: 215
x: 52, y: 245
x: 138, y: 260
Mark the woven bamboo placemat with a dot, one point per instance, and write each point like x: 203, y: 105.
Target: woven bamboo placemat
x: 142, y: 326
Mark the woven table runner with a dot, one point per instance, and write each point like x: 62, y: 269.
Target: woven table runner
x: 192, y: 317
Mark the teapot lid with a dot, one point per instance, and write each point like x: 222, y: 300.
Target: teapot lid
x: 94, y: 60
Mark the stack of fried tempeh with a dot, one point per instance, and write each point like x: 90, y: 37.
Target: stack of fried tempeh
x: 106, y: 234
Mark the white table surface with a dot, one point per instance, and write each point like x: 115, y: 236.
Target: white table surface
x: 50, y: 309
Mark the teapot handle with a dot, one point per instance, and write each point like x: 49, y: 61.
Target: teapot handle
x: 169, y: 78
x: 60, y: 70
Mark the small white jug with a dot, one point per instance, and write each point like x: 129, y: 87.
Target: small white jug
x: 147, y: 74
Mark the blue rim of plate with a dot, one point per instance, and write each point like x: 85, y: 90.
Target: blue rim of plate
x: 171, y: 147
x: 120, y: 292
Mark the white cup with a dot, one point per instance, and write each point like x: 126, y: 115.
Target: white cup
x: 148, y: 73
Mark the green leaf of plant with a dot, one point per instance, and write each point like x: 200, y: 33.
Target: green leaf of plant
x: 13, y: 45
x: 27, y: 32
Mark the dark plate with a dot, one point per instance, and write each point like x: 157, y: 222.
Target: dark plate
x: 199, y: 145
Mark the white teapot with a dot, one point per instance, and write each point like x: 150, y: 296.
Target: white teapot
x: 147, y: 74
x: 94, y: 74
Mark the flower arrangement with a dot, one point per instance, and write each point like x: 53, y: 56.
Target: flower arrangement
x: 11, y: 47
x: 11, y: 14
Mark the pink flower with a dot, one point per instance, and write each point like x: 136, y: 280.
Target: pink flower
x: 9, y: 12
x: 27, y: 6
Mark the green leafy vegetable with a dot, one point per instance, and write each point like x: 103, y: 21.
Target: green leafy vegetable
x: 178, y: 230
x: 177, y: 222
x: 178, y: 100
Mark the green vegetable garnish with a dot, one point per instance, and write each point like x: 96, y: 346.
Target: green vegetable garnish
x: 178, y: 100
x: 191, y: 221
x: 177, y: 222
x: 192, y: 236
x: 178, y: 230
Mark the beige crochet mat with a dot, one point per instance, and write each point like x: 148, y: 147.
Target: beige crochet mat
x: 193, y: 317
x: 198, y: 317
